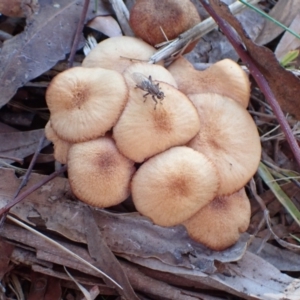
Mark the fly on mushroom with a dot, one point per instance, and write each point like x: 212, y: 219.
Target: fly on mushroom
x: 146, y: 84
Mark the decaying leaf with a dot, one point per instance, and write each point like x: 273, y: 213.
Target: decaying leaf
x: 6, y: 250
x: 20, y: 144
x: 166, y: 250
x: 284, y: 12
x: 289, y: 42
x: 47, y: 38
x: 282, y: 259
x: 125, y: 234
x: 284, y: 84
x: 104, y: 259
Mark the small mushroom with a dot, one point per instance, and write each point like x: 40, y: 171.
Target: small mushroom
x: 172, y: 186
x: 156, y: 21
x: 228, y: 137
x: 85, y: 103
x: 152, y: 123
x: 118, y: 53
x: 61, y: 147
x: 225, y: 77
x: 218, y: 225
x: 99, y: 175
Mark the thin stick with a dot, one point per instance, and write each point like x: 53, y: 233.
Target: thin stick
x: 78, y: 32
x: 31, y: 165
x: 30, y: 190
x: 25, y: 178
x: 193, y: 34
x: 62, y: 248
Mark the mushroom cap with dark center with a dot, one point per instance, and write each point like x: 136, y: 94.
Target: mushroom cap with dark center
x: 218, y: 225
x: 146, y: 128
x: 85, y: 103
x: 98, y: 173
x: 172, y: 186
x: 228, y: 137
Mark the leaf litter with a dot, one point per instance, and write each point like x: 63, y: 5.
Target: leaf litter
x: 143, y: 258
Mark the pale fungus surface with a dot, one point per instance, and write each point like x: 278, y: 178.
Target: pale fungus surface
x: 85, y: 103
x: 99, y: 174
x: 118, y: 53
x: 229, y: 137
x: 225, y: 77
x: 196, y: 144
x: 171, y: 186
x: 219, y: 224
x: 61, y: 147
x: 146, y: 128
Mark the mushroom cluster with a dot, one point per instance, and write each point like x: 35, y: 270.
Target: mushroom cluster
x: 187, y: 133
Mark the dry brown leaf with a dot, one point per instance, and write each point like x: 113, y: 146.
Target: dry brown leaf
x: 282, y: 259
x: 125, y: 234
x: 38, y: 286
x: 104, y: 259
x: 285, y: 86
x: 47, y: 38
x: 6, y: 250
x: 284, y: 12
x: 20, y: 144
x: 289, y: 42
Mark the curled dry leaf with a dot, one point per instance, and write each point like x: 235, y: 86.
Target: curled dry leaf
x: 126, y: 234
x: 284, y: 12
x: 47, y: 38
x: 288, y: 41
x: 285, y: 86
x: 21, y: 143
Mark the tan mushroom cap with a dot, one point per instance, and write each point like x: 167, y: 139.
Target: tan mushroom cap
x: 61, y: 147
x: 17, y: 9
x: 85, y: 103
x: 118, y: 53
x: 145, y: 129
x: 225, y: 77
x: 172, y: 186
x: 148, y: 18
x: 99, y: 175
x: 218, y: 225
x: 228, y: 137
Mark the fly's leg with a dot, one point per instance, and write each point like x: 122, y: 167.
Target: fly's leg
x: 154, y: 99
x: 145, y: 96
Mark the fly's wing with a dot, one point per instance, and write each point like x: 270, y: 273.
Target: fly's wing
x: 141, y: 80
